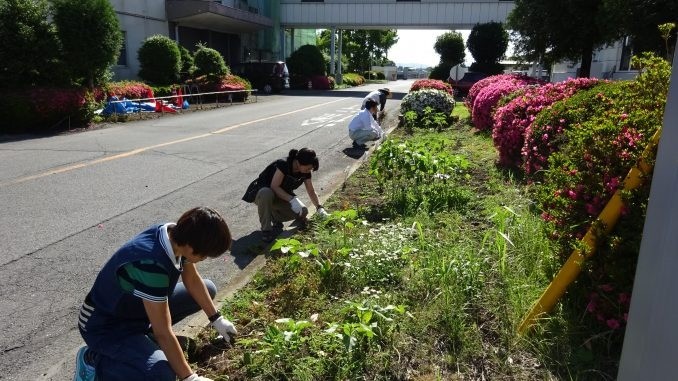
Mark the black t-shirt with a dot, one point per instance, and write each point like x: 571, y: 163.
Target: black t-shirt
x: 290, y: 182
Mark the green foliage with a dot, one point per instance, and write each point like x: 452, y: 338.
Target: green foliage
x: 160, y: 60
x: 353, y: 79
x: 90, y: 37
x: 639, y: 19
x: 440, y: 71
x: 542, y: 34
x: 488, y: 43
x: 307, y: 60
x: 30, y: 48
x: 45, y: 109
x: 430, y: 120
x: 450, y: 46
x: 209, y: 62
x: 363, y: 48
x: 420, y: 177
x: 187, y: 65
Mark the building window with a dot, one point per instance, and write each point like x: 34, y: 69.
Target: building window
x: 122, y: 58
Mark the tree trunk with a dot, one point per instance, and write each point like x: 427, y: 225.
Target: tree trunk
x: 586, y: 59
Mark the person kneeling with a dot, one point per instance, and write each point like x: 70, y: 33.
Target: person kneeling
x: 137, y: 294
x: 363, y: 127
x: 273, y: 192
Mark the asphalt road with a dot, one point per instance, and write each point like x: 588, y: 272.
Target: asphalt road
x: 69, y: 201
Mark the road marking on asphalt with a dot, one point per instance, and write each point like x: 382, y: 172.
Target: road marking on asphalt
x: 155, y: 146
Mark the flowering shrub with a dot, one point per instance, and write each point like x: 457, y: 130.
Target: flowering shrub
x: 437, y: 100
x: 123, y: 89
x: 512, y: 120
x: 475, y: 89
x: 320, y: 82
x: 353, y: 79
x: 41, y: 108
x: 332, y: 82
x: 431, y: 84
x: 489, y: 96
x: 608, y: 131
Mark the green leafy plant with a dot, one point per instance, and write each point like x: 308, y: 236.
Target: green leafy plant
x: 417, y: 177
x: 160, y: 60
x: 209, y: 62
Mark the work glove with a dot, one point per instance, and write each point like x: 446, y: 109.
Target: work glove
x: 195, y: 377
x: 297, y: 205
x: 322, y: 213
x: 224, y: 327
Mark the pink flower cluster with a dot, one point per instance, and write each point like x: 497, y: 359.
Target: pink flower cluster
x: 431, y: 84
x: 230, y: 82
x: 513, y: 121
x: 609, y: 307
x: 48, y: 102
x: 478, y: 86
x: 124, y: 89
x: 540, y: 140
x: 488, y: 97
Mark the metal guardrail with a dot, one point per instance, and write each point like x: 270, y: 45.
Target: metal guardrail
x: 199, y: 96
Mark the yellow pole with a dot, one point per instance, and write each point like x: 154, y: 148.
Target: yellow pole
x: 605, y: 223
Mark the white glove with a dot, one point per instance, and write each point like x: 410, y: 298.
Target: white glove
x: 322, y: 213
x: 224, y: 327
x: 297, y: 205
x: 195, y: 377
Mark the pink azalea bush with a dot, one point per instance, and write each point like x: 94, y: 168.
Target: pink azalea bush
x: 43, y: 108
x: 601, y: 133
x: 478, y: 86
x: 124, y: 89
x: 489, y: 96
x: 510, y: 121
x: 431, y: 84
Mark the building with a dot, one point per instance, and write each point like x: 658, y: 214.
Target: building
x: 243, y: 30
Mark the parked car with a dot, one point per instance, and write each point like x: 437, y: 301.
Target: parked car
x: 463, y: 85
x: 267, y: 77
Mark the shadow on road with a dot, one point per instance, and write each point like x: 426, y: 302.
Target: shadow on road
x: 354, y: 153
x: 358, y: 94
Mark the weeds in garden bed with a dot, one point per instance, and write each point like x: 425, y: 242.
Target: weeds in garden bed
x: 396, y: 287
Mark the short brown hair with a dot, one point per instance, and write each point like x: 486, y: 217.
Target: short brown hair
x: 204, y: 230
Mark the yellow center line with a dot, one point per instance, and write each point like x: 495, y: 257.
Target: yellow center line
x: 155, y: 146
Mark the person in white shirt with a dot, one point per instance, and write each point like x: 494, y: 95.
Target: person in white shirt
x: 378, y: 96
x: 363, y: 127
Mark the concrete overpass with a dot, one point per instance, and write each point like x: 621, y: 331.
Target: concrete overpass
x: 386, y: 14
x: 392, y: 14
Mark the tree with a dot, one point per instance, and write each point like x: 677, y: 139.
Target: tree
x: 362, y: 47
x: 564, y: 29
x: 209, y: 62
x: 29, y: 52
x: 488, y: 43
x: 640, y: 19
x: 90, y: 36
x: 307, y: 61
x: 450, y: 46
x: 159, y: 60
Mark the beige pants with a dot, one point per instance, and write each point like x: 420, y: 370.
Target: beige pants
x: 272, y: 209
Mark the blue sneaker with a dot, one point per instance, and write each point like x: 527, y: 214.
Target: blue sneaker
x: 83, y: 371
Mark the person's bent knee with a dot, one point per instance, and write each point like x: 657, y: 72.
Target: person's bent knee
x: 265, y: 194
x: 211, y: 288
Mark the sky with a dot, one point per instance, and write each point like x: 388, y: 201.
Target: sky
x: 416, y: 47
